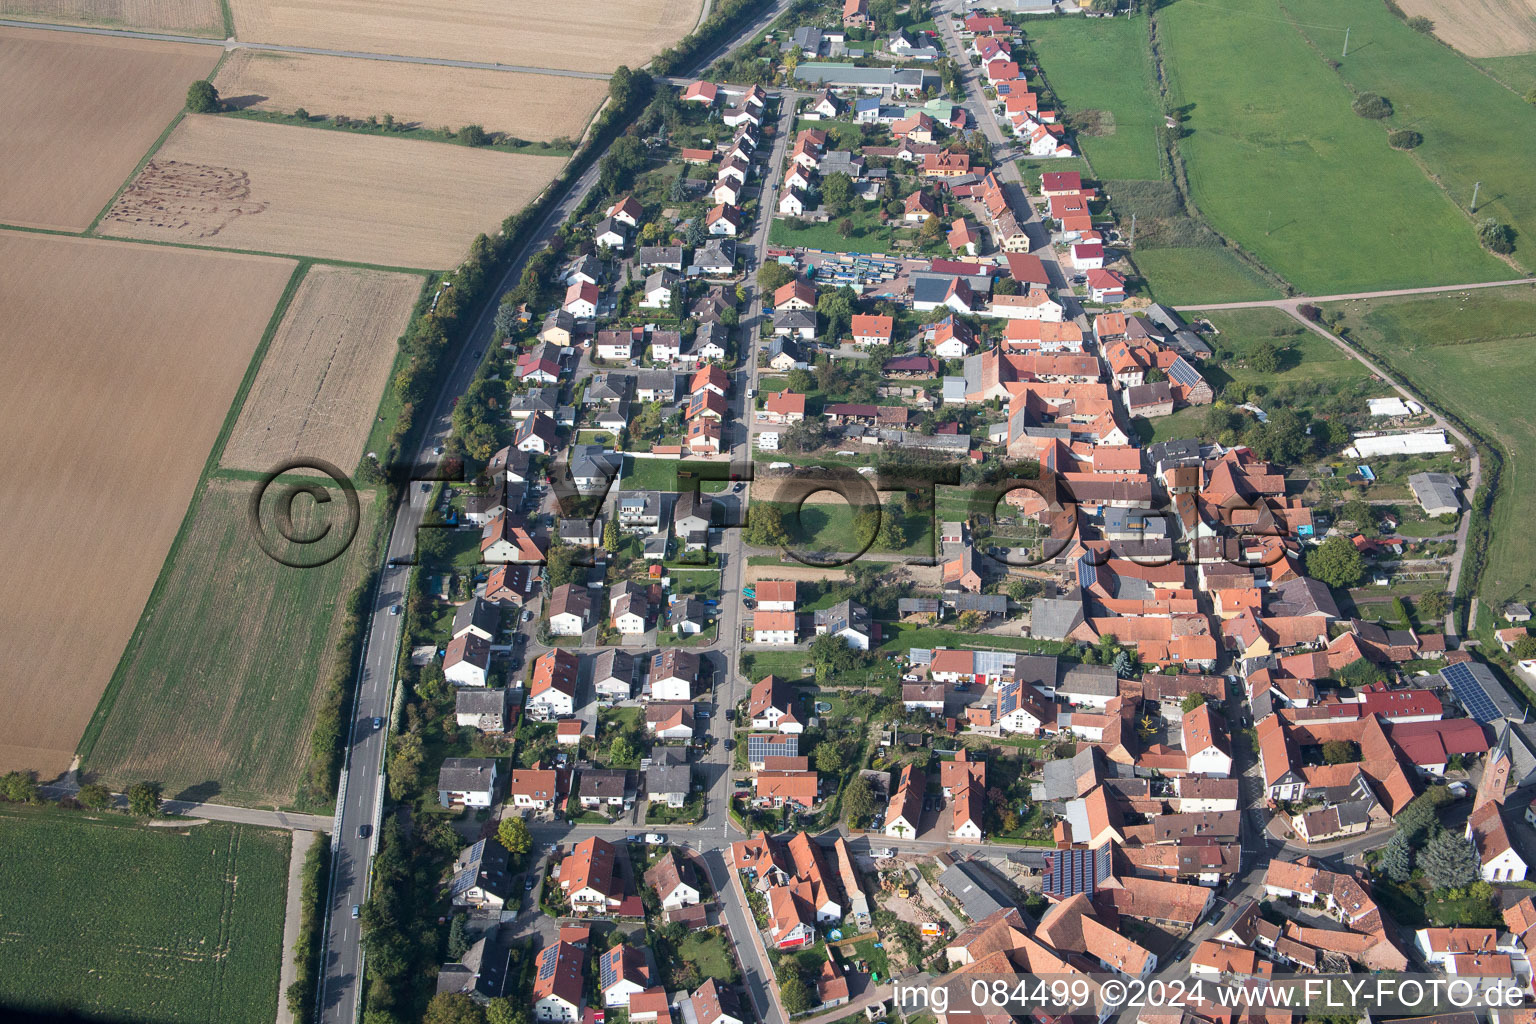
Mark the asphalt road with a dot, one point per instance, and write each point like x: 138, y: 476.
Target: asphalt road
x: 360, y: 802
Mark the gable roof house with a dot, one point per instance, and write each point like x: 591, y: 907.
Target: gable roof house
x: 558, y: 984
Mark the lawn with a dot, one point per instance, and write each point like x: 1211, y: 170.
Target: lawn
x: 217, y: 691
x: 707, y: 950
x: 1518, y: 72
x: 899, y: 637
x: 843, y: 134
x: 1183, y: 276
x: 1186, y: 423
x: 868, y: 234
x: 648, y: 475
x: 1073, y: 54
x: 1315, y: 374
x: 110, y: 920
x: 830, y: 527
x: 1277, y: 159
x: 1471, y: 353
x: 1474, y: 128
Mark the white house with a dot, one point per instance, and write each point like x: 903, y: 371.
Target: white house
x: 558, y: 984
x: 466, y: 781
x: 727, y: 192
x: 792, y: 202
x: 1205, y: 743
x: 673, y: 673
x: 581, y: 300
x: 623, y: 973
x: 467, y: 661
x: 615, y: 345
x: 798, y: 178
x: 1500, y: 862
x: 952, y: 347
x: 658, y: 289
x: 1088, y: 256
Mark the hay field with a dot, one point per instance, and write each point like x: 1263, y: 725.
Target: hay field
x: 586, y: 35
x: 118, y: 364
x: 1480, y: 28
x: 538, y: 108
x: 184, y: 17
x: 108, y: 920
x: 67, y: 151
x: 324, y: 370
x: 217, y: 693
x: 240, y: 184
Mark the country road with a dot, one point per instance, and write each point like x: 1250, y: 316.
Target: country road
x: 1351, y: 296
x: 213, y: 812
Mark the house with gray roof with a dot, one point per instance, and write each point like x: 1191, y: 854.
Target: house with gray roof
x: 669, y: 784
x: 1436, y: 493
x: 979, y: 893
x: 1052, y: 618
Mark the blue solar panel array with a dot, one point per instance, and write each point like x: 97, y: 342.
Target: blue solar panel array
x: 547, y: 962
x: 606, y: 975
x: 1069, y: 872
x: 1087, y: 572
x: 1471, y: 693
x: 1183, y: 373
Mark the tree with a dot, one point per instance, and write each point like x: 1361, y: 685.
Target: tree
x: 1432, y: 606
x: 773, y: 276
x: 893, y: 526
x: 845, y: 227
x: 1397, y: 859
x: 144, y: 799
x: 836, y: 191
x: 626, y: 158
x: 1419, y: 23
x: 970, y: 621
x: 1496, y: 237
x: 514, y: 835
x: 1404, y: 138
x: 800, y: 380
x: 931, y: 230
x: 1341, y: 752
x: 1359, y: 512
x: 18, y: 787
x: 452, y: 1008
x: 859, y: 801
x: 1530, y: 95
x: 765, y: 525
x: 1524, y: 648
x: 474, y: 135
x: 795, y: 995
x: 505, y: 1011
x: 203, y: 98
x: 611, y: 538
x: 1450, y: 861
x: 301, y: 114
x: 830, y: 758
x: 1337, y: 562
x: 622, y: 752
x: 458, y: 939
x: 95, y: 796
x: 1193, y: 701
x: 1373, y: 106
x: 1265, y: 358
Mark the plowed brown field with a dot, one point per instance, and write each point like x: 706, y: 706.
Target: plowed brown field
x: 534, y: 107
x: 241, y: 184
x: 118, y: 364
x: 1481, y: 28
x: 185, y: 17
x: 590, y: 35
x: 324, y: 370
x: 66, y: 149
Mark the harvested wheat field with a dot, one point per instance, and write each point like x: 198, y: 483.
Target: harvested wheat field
x: 217, y: 692
x: 538, y: 108
x: 66, y: 150
x: 118, y: 364
x: 184, y: 17
x: 586, y: 35
x: 240, y: 184
x: 323, y: 372
x: 1480, y: 28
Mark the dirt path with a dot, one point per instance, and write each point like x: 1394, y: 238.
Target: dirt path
x: 1289, y: 304
x: 301, y: 843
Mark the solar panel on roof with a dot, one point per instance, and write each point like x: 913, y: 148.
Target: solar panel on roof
x: 1087, y: 572
x: 605, y: 969
x: 1183, y: 373
x: 547, y: 963
x: 1471, y: 693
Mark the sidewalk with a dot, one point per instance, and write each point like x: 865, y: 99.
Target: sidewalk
x: 302, y: 841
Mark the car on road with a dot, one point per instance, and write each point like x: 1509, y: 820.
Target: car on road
x: 378, y: 723
x: 737, y: 488
x: 885, y: 852
x: 742, y: 783
x: 655, y: 838
x: 528, y: 883
x: 527, y: 614
x: 364, y: 831
x: 357, y: 911
x: 730, y: 714
x: 395, y: 610
x: 390, y: 564
x: 426, y: 488
x: 438, y: 450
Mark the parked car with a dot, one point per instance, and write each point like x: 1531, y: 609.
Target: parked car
x: 655, y: 838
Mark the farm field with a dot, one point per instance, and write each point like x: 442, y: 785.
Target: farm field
x: 1073, y: 53
x: 61, y: 179
x: 1275, y: 159
x: 1518, y: 73
x: 101, y: 346
x: 538, y: 33
x: 217, y: 694
x: 324, y: 370
x: 183, y: 17
x: 1474, y: 129
x: 1472, y: 354
x: 1480, y: 28
x: 107, y: 919
x: 1178, y: 276
x: 533, y: 107
x: 241, y: 184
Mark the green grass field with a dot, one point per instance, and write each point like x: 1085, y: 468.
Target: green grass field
x: 1182, y: 276
x: 648, y: 475
x: 1306, y: 358
x: 111, y: 920
x: 1517, y: 73
x: 1472, y: 354
x: 1074, y: 54
x: 1279, y: 162
x: 707, y: 950
x: 1474, y: 128
x: 829, y: 527
x: 868, y: 235
x: 216, y: 692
